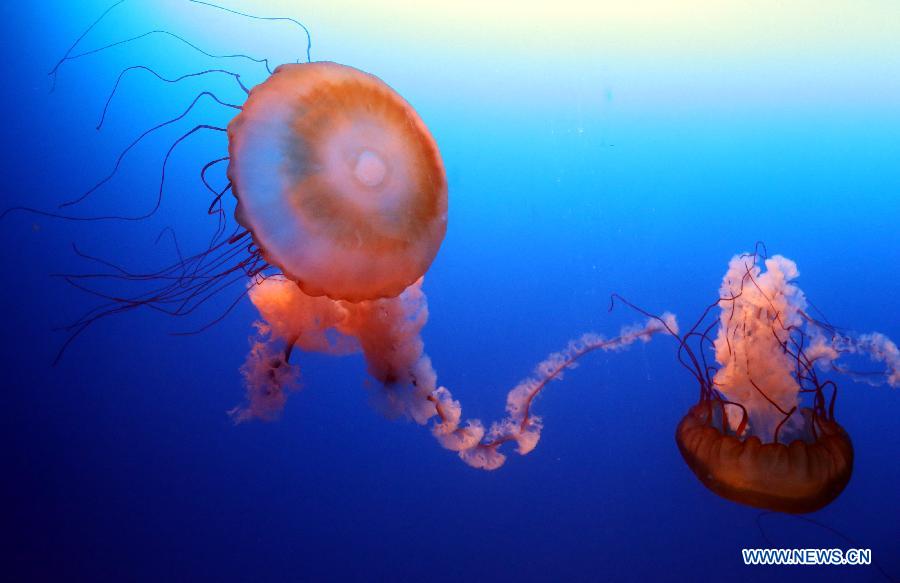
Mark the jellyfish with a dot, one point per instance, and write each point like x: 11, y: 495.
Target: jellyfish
x: 340, y: 204
x: 764, y: 431
x: 343, y: 190
x: 338, y: 180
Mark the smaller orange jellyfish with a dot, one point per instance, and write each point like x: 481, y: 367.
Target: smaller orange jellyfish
x: 764, y: 431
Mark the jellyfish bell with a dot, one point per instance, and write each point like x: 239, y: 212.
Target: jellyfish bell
x: 800, y: 477
x: 338, y: 180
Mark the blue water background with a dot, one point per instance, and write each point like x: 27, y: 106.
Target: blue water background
x: 568, y: 181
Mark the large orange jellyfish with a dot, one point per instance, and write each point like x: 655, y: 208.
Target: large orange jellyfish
x: 338, y: 180
x: 764, y: 431
x: 343, y: 190
x: 341, y: 205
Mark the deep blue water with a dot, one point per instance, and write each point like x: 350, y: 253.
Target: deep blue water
x: 579, y: 164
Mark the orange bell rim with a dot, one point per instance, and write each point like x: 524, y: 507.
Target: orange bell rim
x: 797, y: 478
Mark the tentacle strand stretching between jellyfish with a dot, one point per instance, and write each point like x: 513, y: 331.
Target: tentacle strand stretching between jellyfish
x: 387, y: 332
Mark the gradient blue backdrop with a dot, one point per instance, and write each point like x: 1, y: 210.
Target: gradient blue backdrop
x: 637, y: 158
